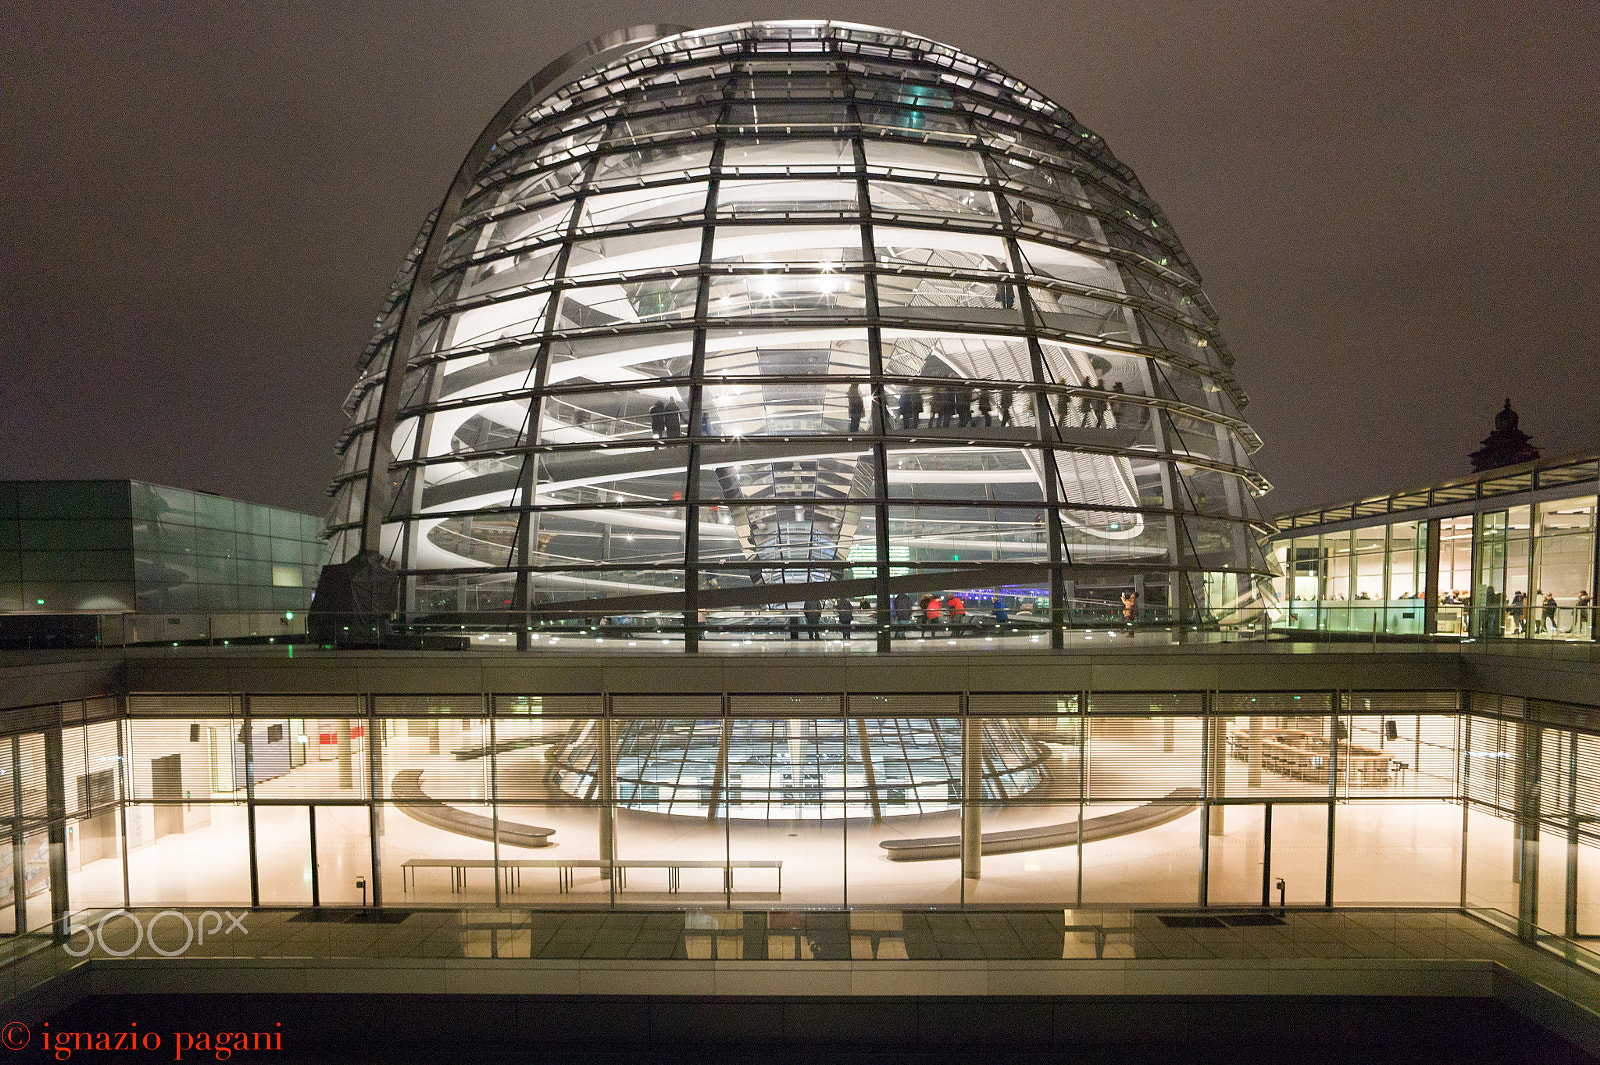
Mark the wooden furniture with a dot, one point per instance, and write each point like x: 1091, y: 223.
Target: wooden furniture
x: 1305, y: 756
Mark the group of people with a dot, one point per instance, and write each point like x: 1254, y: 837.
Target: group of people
x: 844, y: 611
x: 948, y: 613
x: 935, y: 613
x: 666, y: 420
x: 1538, y: 612
x: 953, y: 406
x: 1095, y: 407
x: 1524, y: 613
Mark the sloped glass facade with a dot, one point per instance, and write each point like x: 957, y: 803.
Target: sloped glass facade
x: 132, y: 548
x: 719, y: 322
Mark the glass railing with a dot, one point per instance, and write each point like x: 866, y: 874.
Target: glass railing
x: 1022, y: 625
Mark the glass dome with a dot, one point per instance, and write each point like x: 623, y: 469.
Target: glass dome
x: 713, y: 324
x: 796, y: 768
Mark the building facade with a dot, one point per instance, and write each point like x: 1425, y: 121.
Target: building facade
x: 1451, y: 776
x: 1505, y: 554
x: 715, y: 324
x: 113, y: 562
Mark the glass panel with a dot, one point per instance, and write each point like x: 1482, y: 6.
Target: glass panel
x: 634, y: 252
x: 1144, y: 758
x: 649, y: 161
x: 785, y: 199
x: 514, y: 317
x: 633, y: 206
x: 905, y: 779
x: 618, y: 360
x: 902, y: 157
x: 921, y: 355
x: 786, y: 799
x: 787, y: 156
x: 283, y: 855
x: 94, y: 852
x: 1064, y: 264
x: 1298, y: 854
x: 942, y: 248
x: 825, y: 293
x: 1276, y: 744
x: 498, y: 275
x: 190, y: 761
x: 1588, y: 904
x: 894, y: 199
x: 951, y: 534
x: 936, y: 299
x: 531, y: 226
x: 310, y: 758
x: 1398, y: 854
x: 788, y: 244
x: 1159, y: 865
x: 1492, y: 861
x: 191, y: 853
x: 417, y: 846
x: 36, y: 879
x: 344, y: 855
x: 435, y: 758
x: 1552, y: 901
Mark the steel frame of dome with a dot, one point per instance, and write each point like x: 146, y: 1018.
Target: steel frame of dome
x: 665, y: 349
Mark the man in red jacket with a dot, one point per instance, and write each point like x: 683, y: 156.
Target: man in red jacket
x: 956, y: 611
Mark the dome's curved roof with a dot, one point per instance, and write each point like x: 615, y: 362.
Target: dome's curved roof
x: 706, y: 315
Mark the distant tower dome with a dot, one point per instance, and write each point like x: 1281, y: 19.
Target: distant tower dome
x: 717, y: 321
x: 1506, y: 446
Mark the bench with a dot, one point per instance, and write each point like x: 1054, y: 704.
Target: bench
x: 458, y: 870
x: 1177, y: 803
x: 407, y: 788
x: 620, y: 866
x: 566, y: 869
x: 676, y: 866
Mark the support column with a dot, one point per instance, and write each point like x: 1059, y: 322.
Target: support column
x: 882, y: 415
x: 971, y: 798
x: 1569, y: 769
x: 373, y: 732
x: 1527, y: 793
x: 607, y: 789
x: 347, y: 776
x: 1254, y: 754
x: 1430, y: 580
x: 869, y: 771
x: 719, y: 775
x: 1183, y: 604
x: 491, y: 726
x: 56, y: 812
x: 249, y: 797
x: 1216, y: 769
x: 1594, y: 594
x: 19, y: 875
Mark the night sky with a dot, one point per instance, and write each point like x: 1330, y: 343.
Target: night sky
x: 1395, y: 207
